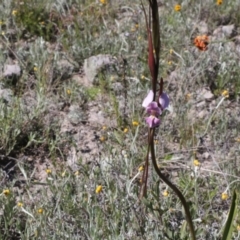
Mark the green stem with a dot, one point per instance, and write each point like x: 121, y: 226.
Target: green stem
x: 171, y: 185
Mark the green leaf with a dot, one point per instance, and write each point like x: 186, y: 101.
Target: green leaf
x: 227, y: 233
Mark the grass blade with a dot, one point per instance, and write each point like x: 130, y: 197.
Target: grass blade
x: 227, y: 233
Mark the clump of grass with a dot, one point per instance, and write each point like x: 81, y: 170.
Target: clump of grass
x: 35, y: 20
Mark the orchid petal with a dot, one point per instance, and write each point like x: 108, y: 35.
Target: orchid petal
x: 148, y: 99
x: 153, y: 109
x: 164, y: 100
x: 152, y: 121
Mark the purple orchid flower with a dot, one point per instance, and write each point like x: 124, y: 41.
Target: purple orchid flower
x: 163, y: 100
x: 153, y: 109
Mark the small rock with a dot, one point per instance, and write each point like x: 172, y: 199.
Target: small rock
x: 228, y: 30
x: 206, y: 155
x: 205, y: 94
x: 208, y: 95
x: 93, y: 64
x: 11, y: 70
x: 224, y: 31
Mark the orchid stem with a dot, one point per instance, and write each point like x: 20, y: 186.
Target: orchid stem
x: 143, y: 191
x: 170, y: 184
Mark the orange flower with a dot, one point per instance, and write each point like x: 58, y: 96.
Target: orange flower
x: 201, y: 42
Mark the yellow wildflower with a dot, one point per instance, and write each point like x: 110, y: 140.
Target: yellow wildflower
x: 224, y: 196
x: 177, y: 7
x: 135, y: 123
x: 104, y: 128
x: 238, y: 227
x: 20, y: 204
x: 125, y: 130
x: 219, y: 2
x: 35, y: 69
x: 140, y: 168
x: 98, y: 189
x: 14, y: 12
x: 6, y: 192
x: 76, y: 173
x: 225, y: 93
x: 170, y: 63
x: 171, y: 51
x: 103, y: 1
x: 68, y: 91
x: 188, y: 96
x: 196, y: 163
x: 40, y: 210
x: 48, y: 171
x: 102, y: 138
x: 165, y: 193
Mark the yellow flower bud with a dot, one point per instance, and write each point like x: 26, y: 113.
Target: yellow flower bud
x: 40, y: 210
x: 224, y: 196
x: 98, y: 189
x: 140, y: 168
x: 177, y: 8
x: 103, y: 1
x: 20, y: 204
x: 14, y: 12
x: 165, y: 193
x: 135, y: 123
x: 225, y: 93
x: 196, y: 163
x: 6, y: 192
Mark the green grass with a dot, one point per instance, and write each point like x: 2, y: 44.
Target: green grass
x: 47, y: 122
